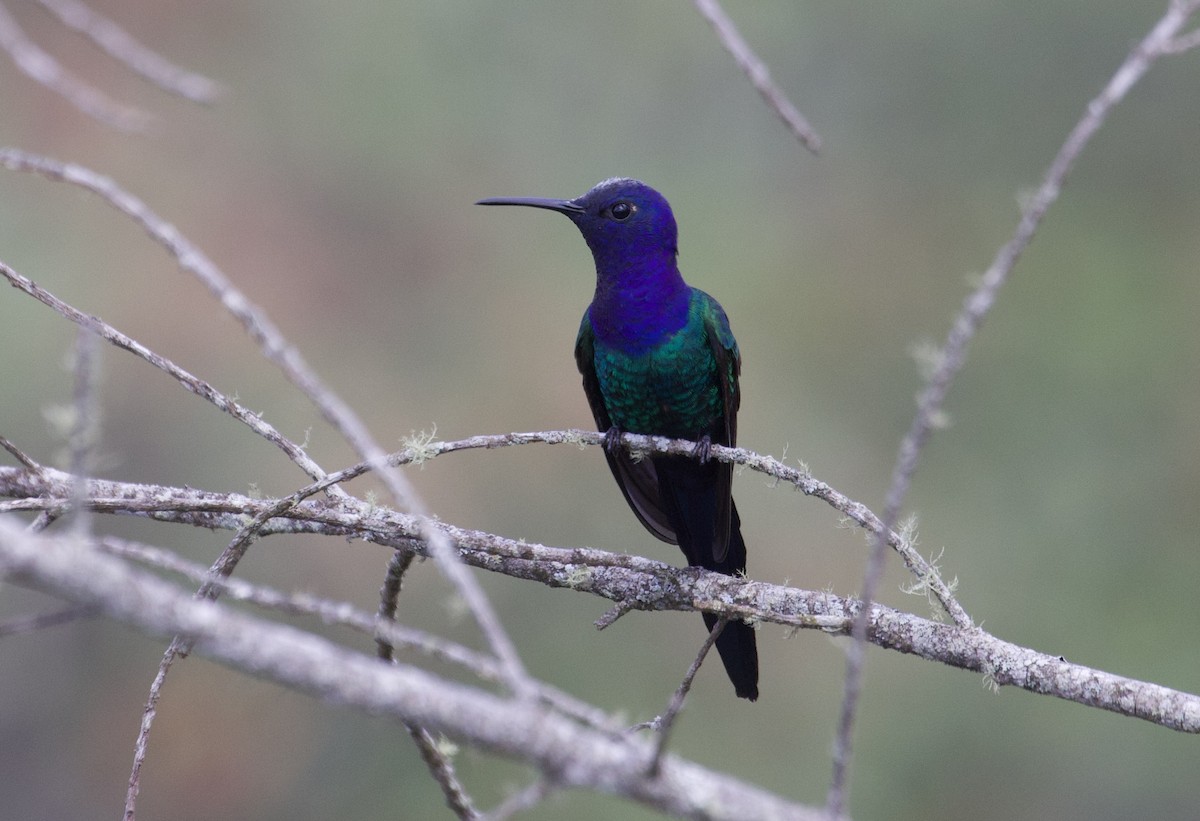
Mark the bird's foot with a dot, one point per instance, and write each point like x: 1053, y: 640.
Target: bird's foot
x: 612, y: 439
x: 703, y: 450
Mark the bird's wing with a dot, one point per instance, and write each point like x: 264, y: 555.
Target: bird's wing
x: 638, y: 480
x: 728, y: 367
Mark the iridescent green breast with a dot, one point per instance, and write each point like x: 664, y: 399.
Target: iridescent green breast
x: 670, y: 389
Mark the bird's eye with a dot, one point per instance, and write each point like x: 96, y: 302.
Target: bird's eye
x: 621, y: 211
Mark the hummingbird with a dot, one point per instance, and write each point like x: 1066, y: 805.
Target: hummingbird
x: 658, y: 358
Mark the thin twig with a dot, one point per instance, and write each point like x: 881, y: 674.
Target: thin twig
x: 42, y: 68
x: 121, y: 46
x: 187, y: 380
x: 953, y: 355
x: 439, y: 764
x: 610, y: 616
x: 142, y: 741
x: 179, y: 647
x: 666, y: 722
x: 442, y: 769
x: 756, y: 70
x: 19, y: 454
x: 389, y: 595
x: 452, y: 567
x: 43, y: 521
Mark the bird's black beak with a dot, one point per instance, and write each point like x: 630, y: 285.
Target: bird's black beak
x: 568, y: 207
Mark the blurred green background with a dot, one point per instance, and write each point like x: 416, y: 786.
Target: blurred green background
x: 334, y: 184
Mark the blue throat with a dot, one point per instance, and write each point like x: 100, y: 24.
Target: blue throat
x: 640, y: 300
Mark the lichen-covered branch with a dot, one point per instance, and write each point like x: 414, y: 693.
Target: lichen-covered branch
x: 636, y: 582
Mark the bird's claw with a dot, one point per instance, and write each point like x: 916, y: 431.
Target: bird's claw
x: 612, y: 439
x: 704, y: 449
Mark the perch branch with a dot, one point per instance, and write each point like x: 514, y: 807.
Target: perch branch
x: 641, y: 583
x: 801, y: 479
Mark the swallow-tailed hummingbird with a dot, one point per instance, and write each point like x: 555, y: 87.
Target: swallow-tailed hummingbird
x: 658, y: 358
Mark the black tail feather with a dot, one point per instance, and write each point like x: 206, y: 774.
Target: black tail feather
x: 737, y: 645
x: 688, y: 493
x: 738, y: 650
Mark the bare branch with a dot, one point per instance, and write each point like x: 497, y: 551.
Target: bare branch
x: 612, y: 614
x: 194, y: 385
x: 141, y: 744
x: 641, y: 583
x: 121, y: 46
x: 439, y: 764
x: 181, y: 646
x: 756, y: 70
x: 18, y: 454
x: 389, y: 594
x: 926, y: 574
x: 277, y: 350
x: 666, y: 722
x: 42, y: 68
x: 43, y: 521
x: 799, y: 478
x: 953, y: 354
x: 233, y: 553
x: 384, y: 631
x: 567, y: 754
x: 191, y: 260
x: 442, y: 769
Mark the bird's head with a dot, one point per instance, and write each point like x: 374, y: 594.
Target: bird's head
x: 625, y: 222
